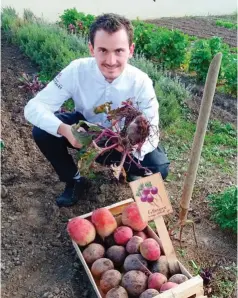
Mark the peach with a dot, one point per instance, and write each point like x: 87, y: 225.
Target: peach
x: 140, y: 234
x: 133, y: 245
x: 100, y: 266
x: 156, y: 280
x: 122, y: 235
x: 131, y: 218
x: 150, y: 249
x: 167, y: 286
x: 81, y: 230
x: 104, y: 222
x: 93, y: 252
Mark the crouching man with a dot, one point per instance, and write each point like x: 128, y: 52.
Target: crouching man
x: 90, y: 82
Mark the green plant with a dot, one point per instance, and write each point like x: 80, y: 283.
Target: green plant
x: 142, y: 37
x: 147, y: 66
x: 29, y: 16
x: 170, y: 92
x: 8, y: 17
x: 169, y: 108
x: 201, y: 55
x: 224, y: 208
x: 70, y: 16
x: 168, y: 48
x: 230, y: 74
x: 76, y: 22
x: 49, y: 46
x: 226, y: 24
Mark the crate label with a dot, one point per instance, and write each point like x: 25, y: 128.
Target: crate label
x: 151, y: 197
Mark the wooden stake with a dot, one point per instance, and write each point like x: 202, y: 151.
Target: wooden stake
x: 202, y: 122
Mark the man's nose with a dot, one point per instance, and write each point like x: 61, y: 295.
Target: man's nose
x: 111, y: 59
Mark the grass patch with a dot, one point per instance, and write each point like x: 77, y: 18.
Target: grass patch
x: 226, y: 24
x: 224, y: 208
x: 219, y: 144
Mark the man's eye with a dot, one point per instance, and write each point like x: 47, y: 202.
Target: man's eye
x: 102, y: 50
x: 119, y: 51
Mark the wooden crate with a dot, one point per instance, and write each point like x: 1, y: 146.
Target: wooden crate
x: 192, y: 288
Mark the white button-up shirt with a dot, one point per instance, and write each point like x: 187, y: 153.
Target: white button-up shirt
x: 82, y: 81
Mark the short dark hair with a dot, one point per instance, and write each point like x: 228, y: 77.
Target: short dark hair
x: 111, y: 23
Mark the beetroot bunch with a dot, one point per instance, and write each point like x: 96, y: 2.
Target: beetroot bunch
x: 31, y: 84
x: 128, y: 130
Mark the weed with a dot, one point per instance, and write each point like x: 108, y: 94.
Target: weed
x: 224, y: 208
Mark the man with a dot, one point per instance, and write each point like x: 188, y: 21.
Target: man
x: 90, y: 82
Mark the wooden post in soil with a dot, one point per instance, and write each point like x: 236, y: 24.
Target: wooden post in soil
x: 198, y: 141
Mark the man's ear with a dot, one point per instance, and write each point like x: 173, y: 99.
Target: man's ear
x: 132, y: 48
x: 90, y: 46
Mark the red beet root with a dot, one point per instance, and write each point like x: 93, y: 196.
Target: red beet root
x: 104, y: 222
x: 81, y: 231
x: 131, y: 218
x: 122, y: 235
x: 150, y: 249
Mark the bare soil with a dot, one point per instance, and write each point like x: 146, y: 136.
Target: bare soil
x: 203, y: 27
x: 38, y: 259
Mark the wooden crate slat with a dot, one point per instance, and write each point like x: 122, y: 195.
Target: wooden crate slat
x: 188, y: 288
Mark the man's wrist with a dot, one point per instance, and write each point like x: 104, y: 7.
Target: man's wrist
x: 62, y: 129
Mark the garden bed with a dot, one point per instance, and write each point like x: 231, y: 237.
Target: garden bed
x: 203, y: 27
x: 38, y: 259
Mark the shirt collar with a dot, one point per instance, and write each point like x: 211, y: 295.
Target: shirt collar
x: 102, y: 79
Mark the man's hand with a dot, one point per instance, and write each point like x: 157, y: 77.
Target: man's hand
x: 65, y: 130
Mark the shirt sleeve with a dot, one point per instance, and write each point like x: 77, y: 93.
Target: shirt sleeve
x: 40, y: 110
x: 148, y: 104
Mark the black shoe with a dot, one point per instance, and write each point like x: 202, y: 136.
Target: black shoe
x: 72, y: 192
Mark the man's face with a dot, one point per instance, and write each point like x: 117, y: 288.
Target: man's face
x: 111, y: 52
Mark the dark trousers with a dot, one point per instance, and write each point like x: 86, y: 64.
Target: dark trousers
x: 56, y: 151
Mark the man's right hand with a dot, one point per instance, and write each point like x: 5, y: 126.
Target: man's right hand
x: 65, y: 130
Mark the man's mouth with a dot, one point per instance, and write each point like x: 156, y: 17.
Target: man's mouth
x: 110, y: 67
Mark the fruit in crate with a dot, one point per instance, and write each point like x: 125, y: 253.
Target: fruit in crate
x: 81, y: 230
x: 149, y: 293
x: 135, y: 282
x: 133, y: 245
x: 161, y: 265
x: 93, y: 252
x: 122, y: 235
x: 131, y: 218
x: 116, y: 254
x: 178, y: 278
x: 117, y: 292
x: 105, y: 223
x: 156, y: 280
x: 150, y: 249
x: 100, y: 266
x: 167, y: 286
x: 110, y: 279
x: 140, y: 234
x: 135, y: 262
